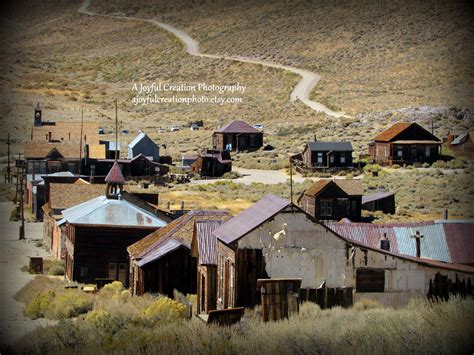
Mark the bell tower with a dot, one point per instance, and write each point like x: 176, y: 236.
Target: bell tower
x: 38, y: 121
x: 115, y: 181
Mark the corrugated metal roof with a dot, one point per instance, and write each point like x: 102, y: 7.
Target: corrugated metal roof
x: 207, y: 241
x: 113, y: 145
x: 460, y: 139
x: 393, y: 131
x: 137, y: 139
x: 165, y: 248
x: 366, y: 233
x: 460, y: 240
x: 376, y: 196
x: 330, y: 146
x: 433, y: 244
x: 249, y: 219
x: 102, y: 211
x: 238, y: 127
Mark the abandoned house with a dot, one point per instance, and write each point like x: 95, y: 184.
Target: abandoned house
x: 325, y: 155
x: 404, y: 143
x: 204, y: 249
x: 99, y: 231
x: 162, y: 261
x: 144, y: 145
x: 461, y: 145
x: 329, y: 199
x: 379, y: 201
x: 213, y: 163
x: 276, y: 239
x: 237, y: 136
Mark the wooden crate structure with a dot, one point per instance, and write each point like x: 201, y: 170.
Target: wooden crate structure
x: 279, y: 297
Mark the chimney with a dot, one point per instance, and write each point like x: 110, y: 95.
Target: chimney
x: 446, y: 213
x: 314, y: 136
x: 418, y: 237
x: 385, y: 243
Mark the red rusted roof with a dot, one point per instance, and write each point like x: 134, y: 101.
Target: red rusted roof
x: 460, y: 239
x: 251, y: 218
x: 351, y: 187
x: 238, y: 127
x: 392, y: 132
x: 115, y: 175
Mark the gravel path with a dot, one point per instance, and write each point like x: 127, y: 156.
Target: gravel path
x: 13, y: 255
x: 300, y: 92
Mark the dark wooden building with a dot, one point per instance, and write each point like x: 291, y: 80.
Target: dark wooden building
x: 333, y: 199
x: 404, y: 143
x: 98, y: 232
x: 213, y: 163
x: 162, y: 261
x: 326, y: 155
x: 237, y: 136
x: 379, y: 201
x: 204, y: 249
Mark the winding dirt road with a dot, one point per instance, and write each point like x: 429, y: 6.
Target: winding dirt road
x: 300, y: 92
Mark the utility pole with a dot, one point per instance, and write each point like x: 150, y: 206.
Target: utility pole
x: 116, y: 131
x: 291, y: 180
x: 8, y: 176
x: 21, y: 190
x: 80, y: 140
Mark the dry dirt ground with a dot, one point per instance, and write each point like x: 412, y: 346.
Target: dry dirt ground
x: 13, y: 255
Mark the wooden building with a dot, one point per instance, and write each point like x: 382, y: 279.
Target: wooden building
x: 404, y: 143
x: 99, y: 231
x: 237, y: 136
x: 329, y: 199
x: 162, y: 261
x: 379, y: 201
x: 144, y: 145
x: 204, y: 249
x: 276, y: 239
x: 326, y: 155
x: 213, y: 163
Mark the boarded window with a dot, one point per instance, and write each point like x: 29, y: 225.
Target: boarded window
x: 326, y: 208
x: 370, y: 280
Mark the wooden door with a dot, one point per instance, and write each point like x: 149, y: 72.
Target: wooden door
x: 122, y: 273
x: 226, y: 284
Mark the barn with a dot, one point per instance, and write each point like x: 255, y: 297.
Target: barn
x: 276, y: 239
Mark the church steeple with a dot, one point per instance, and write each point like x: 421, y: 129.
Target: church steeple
x: 115, y: 181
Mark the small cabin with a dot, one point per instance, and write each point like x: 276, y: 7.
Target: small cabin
x: 213, y: 163
x: 326, y: 155
x: 237, y: 136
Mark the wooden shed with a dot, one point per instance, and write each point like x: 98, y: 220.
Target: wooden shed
x: 213, y: 163
x: 379, y: 201
x: 237, y: 136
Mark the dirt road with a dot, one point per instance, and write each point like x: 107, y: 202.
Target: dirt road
x: 13, y: 255
x: 300, y: 92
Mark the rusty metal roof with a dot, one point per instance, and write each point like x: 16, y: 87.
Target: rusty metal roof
x: 351, y: 187
x: 103, y: 211
x: 238, y: 127
x: 165, y: 248
x: 392, y: 132
x: 115, y: 174
x: 180, y: 229
x: 207, y: 241
x: 460, y: 239
x: 251, y: 218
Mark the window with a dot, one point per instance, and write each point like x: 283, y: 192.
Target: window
x: 326, y: 208
x: 343, y: 158
x: 331, y: 158
x: 112, y: 271
x: 320, y: 158
x: 370, y: 280
x: 428, y: 151
x: 399, y: 152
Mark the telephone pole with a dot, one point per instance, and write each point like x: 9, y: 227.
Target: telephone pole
x: 21, y: 176
x: 80, y: 141
x: 8, y: 176
x: 291, y: 180
x: 116, y: 130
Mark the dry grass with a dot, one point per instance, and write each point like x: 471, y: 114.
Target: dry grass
x: 421, y: 327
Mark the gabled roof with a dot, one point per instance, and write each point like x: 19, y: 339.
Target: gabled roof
x: 398, y: 128
x: 103, y: 211
x: 238, y: 127
x: 330, y: 146
x: 63, y: 196
x: 167, y: 247
x: 351, y: 187
x: 207, y: 241
x: 115, y: 175
x: 180, y: 229
x: 376, y: 196
x: 461, y: 139
x: 251, y: 218
x: 38, y: 150
x: 137, y: 139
